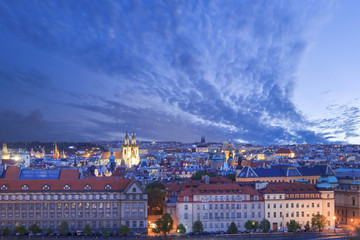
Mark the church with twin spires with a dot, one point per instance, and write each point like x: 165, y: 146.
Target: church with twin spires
x: 128, y: 157
x: 130, y: 151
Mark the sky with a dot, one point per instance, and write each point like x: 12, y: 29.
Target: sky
x: 259, y: 72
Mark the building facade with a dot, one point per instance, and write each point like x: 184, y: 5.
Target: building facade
x: 130, y: 151
x: 48, y: 197
x: 217, y: 205
x: 301, y: 202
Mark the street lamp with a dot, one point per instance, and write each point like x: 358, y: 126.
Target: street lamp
x: 334, y: 224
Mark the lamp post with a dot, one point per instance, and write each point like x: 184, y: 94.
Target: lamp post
x: 334, y: 224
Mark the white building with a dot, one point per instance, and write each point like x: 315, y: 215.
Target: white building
x: 299, y: 202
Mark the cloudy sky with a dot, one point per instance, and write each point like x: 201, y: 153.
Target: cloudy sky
x: 270, y: 72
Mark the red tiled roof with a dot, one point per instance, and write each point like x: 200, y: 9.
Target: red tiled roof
x: 291, y: 188
x: 284, y: 151
x: 12, y: 172
x: 69, y: 174
x: 97, y: 184
x: 117, y: 155
x: 216, y: 189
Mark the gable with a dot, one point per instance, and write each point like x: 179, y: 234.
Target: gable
x: 134, y: 187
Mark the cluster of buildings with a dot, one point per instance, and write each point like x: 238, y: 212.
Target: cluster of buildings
x: 106, y: 188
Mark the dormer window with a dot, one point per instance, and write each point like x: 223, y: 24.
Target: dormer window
x: 46, y: 187
x: 66, y: 187
x: 134, y: 189
x: 108, y: 187
x: 4, y: 187
x: 87, y: 187
x: 25, y: 187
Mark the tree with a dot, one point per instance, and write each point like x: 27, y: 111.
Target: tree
x: 199, y: 174
x: 307, y: 226
x: 104, y: 231
x: 231, y: 177
x: 198, y: 227
x: 87, y: 230
x: 155, y: 201
x: 181, y: 229
x: 49, y: 231
x: 20, y: 230
x: 35, y: 229
x: 318, y: 222
x: 154, y: 185
x: 232, y: 228
x: 252, y: 225
x: 124, y: 230
x: 293, y: 226
x: 164, y: 224
x: 63, y: 228
x: 5, y: 231
x: 265, y: 225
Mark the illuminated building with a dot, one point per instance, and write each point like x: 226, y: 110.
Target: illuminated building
x: 48, y: 197
x: 56, y: 154
x: 4, y: 152
x: 130, y: 151
x: 285, y: 153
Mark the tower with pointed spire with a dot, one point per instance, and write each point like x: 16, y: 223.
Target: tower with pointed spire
x: 130, y: 151
x: 56, y: 153
x: 5, y: 153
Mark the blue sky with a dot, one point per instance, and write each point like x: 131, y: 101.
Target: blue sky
x: 270, y: 72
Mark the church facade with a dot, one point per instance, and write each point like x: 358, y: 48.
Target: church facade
x: 130, y: 150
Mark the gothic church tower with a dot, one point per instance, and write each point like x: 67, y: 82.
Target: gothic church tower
x: 130, y: 151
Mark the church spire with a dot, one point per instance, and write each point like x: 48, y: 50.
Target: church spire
x: 133, y: 139
x: 126, y: 140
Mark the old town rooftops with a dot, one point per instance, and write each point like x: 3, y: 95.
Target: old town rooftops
x: 68, y: 179
x: 290, y: 188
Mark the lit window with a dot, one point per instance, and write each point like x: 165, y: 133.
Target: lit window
x: 87, y: 187
x: 46, y: 187
x: 25, y: 187
x: 66, y: 187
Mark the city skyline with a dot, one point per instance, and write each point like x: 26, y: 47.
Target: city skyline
x: 269, y: 72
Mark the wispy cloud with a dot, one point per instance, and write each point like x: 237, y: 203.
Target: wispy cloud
x: 181, y: 69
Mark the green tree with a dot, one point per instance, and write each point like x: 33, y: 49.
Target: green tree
x: 199, y: 174
x: 21, y: 230
x: 124, y: 230
x: 5, y: 231
x: 293, y: 226
x: 197, y: 227
x: 232, y: 228
x: 104, y: 231
x: 307, y: 227
x: 49, y: 231
x: 265, y: 225
x: 87, y: 229
x: 154, y: 185
x: 231, y: 177
x: 63, y: 228
x: 318, y: 222
x: 164, y: 224
x: 252, y: 225
x: 155, y: 201
x: 35, y: 229
x: 181, y: 229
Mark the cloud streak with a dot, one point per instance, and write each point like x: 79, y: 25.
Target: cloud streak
x: 179, y: 69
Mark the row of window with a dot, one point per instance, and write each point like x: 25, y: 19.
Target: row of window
x: 73, y: 224
x: 295, y: 214
x: 294, y: 196
x: 51, y: 215
x: 297, y: 205
x: 224, y: 206
x: 25, y: 187
x: 60, y: 206
x: 221, y: 216
x: 225, y: 198
x: 21, y: 197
